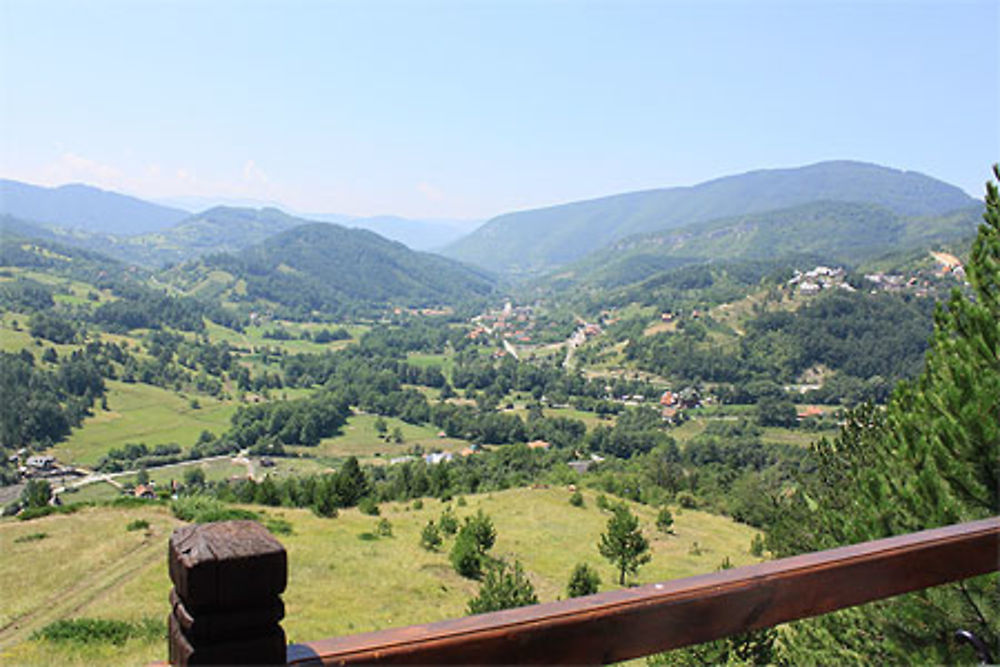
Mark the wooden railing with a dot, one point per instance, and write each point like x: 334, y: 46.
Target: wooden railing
x: 228, y: 578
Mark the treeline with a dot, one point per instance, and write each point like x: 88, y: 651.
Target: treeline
x: 41, y: 404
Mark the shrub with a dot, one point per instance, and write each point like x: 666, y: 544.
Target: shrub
x: 576, y: 500
x: 418, y: 504
x: 383, y: 528
x: 30, y: 537
x: 101, y: 631
x: 367, y: 505
x: 202, y: 509
x: 430, y: 536
x: 465, y: 556
x: 503, y: 588
x: 448, y: 523
x: 138, y: 524
x: 665, y: 521
x: 583, y: 581
x: 602, y: 502
x: 687, y: 500
x: 757, y: 545
x: 278, y: 526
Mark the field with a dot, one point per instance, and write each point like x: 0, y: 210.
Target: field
x: 90, y: 565
x: 359, y: 438
x: 142, y: 413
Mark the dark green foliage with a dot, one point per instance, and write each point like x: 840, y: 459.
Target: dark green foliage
x: 383, y: 528
x: 465, y: 556
x: 873, y: 339
x: 278, y: 526
x: 448, y: 522
x: 665, y: 521
x: 25, y: 295
x: 932, y: 458
x: 52, y: 327
x: 340, y: 271
x: 30, y: 537
x: 101, y: 631
x: 583, y: 581
x: 624, y: 544
x: 774, y: 412
x: 576, y: 500
x: 474, y: 540
x: 503, y: 587
x: 203, y: 509
x: 430, y: 537
x: 137, y: 524
x: 36, y: 493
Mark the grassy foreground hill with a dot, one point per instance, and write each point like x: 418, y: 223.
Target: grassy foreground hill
x: 90, y: 565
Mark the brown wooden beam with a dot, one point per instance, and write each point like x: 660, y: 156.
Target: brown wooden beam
x: 225, y: 605
x: 629, y: 623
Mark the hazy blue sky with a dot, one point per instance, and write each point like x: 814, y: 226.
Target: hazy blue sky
x: 470, y: 109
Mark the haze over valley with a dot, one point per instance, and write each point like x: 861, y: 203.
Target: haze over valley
x: 468, y: 307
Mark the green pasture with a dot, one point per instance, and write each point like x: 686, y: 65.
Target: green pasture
x: 142, y: 413
x: 340, y: 581
x: 359, y: 438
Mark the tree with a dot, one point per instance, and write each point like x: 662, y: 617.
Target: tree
x: 476, y: 537
x: 142, y: 478
x: 624, y: 544
x: 430, y: 536
x: 931, y: 458
x: 665, y: 521
x: 380, y: 426
x: 36, y: 493
x: 397, y: 435
x: 583, y: 581
x: 503, y: 587
x: 194, y: 476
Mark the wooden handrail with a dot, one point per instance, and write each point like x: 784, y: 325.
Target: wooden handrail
x: 630, y: 623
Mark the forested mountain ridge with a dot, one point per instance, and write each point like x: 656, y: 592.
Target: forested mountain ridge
x: 533, y: 241
x: 86, y: 208
x: 832, y: 232
x: 329, y: 268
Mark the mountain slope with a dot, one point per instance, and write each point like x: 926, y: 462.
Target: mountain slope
x: 533, y: 241
x: 329, y: 268
x: 836, y: 232
x: 85, y: 208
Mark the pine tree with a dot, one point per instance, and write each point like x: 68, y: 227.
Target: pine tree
x: 624, y: 544
x: 932, y: 458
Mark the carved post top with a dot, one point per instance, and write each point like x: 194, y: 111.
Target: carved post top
x: 226, y: 564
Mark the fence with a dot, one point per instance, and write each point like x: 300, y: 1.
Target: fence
x: 228, y: 578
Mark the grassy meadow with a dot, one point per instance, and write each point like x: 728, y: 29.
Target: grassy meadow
x: 359, y: 438
x: 142, y: 413
x: 89, y: 565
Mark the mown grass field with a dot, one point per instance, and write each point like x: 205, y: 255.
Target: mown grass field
x: 142, y: 413
x: 339, y: 582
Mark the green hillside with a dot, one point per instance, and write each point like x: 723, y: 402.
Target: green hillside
x: 836, y: 232
x: 329, y: 268
x: 533, y: 241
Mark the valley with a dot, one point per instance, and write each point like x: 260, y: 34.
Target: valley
x: 692, y: 365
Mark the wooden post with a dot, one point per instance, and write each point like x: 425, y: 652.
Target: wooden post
x: 226, y: 601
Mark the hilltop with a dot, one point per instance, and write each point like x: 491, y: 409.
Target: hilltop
x: 531, y: 242
x: 325, y: 267
x: 85, y: 208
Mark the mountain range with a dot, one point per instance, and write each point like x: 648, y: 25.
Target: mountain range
x: 532, y: 242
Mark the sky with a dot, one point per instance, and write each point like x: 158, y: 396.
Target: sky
x: 473, y: 108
